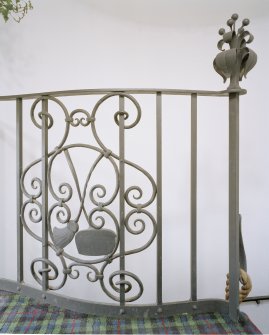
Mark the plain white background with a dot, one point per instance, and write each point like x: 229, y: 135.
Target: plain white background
x: 169, y: 44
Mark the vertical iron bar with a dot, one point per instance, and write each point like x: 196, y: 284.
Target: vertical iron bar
x: 19, y: 158
x: 122, y: 200
x: 193, y: 195
x: 159, y: 195
x: 234, y: 204
x: 44, y: 191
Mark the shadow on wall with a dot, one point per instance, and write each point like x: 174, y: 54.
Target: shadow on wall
x: 183, y: 14
x: 7, y: 145
x: 8, y: 193
x: 13, y: 67
x: 2, y: 197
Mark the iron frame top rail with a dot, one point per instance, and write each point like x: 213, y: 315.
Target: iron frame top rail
x: 70, y: 93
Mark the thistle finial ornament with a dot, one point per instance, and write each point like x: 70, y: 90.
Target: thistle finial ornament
x: 239, y: 59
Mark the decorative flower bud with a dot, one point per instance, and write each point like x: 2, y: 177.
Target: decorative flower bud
x: 245, y: 22
x: 235, y: 17
x: 221, y: 31
x: 230, y: 22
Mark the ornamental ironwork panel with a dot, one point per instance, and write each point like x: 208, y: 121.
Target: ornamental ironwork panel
x: 105, y: 244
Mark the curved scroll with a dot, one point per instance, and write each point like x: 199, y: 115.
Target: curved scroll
x: 115, y: 285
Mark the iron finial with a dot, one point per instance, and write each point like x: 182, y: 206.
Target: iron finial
x: 239, y: 59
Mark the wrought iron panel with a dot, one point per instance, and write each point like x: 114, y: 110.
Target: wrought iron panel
x: 105, y: 244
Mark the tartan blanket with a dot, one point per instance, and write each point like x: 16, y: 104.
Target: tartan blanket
x: 23, y: 315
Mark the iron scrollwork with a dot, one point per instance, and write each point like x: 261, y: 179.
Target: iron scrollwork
x: 93, y: 206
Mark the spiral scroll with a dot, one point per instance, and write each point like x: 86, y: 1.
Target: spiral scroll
x: 128, y: 286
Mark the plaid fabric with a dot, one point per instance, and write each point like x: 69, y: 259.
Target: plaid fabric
x: 22, y: 315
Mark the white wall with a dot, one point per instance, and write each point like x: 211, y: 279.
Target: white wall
x: 96, y: 44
